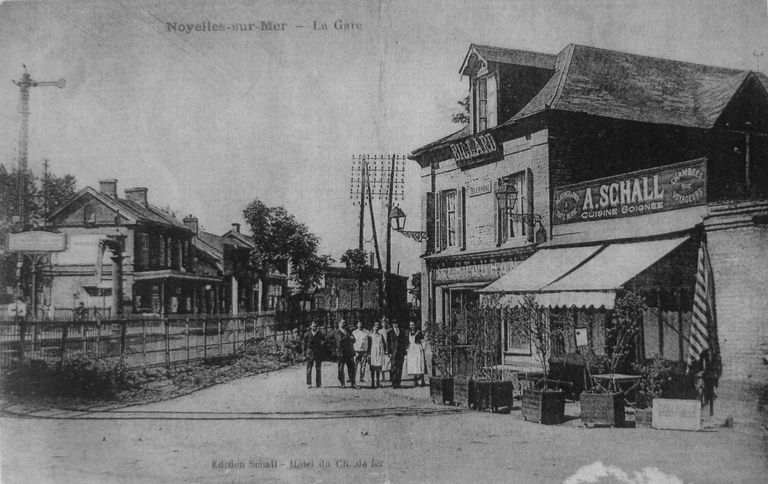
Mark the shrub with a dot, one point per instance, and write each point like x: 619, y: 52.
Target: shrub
x: 76, y: 377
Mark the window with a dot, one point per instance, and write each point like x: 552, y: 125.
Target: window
x: 89, y: 216
x: 481, y: 104
x: 448, y: 222
x: 275, y: 296
x: 517, y: 202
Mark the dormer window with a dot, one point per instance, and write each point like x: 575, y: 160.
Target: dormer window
x: 481, y: 103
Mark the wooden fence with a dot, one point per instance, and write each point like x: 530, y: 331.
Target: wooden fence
x: 158, y: 341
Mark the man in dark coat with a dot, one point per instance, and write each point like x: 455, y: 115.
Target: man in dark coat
x: 399, y: 347
x: 313, y: 352
x: 345, y: 352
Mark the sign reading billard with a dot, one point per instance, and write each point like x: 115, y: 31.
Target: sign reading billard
x: 37, y: 241
x: 475, y: 149
x: 638, y: 193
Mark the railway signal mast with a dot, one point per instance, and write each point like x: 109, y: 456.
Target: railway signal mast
x: 24, y: 84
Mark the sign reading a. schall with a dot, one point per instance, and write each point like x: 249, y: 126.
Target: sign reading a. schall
x: 638, y: 193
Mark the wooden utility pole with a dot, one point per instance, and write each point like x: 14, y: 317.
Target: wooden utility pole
x: 384, y: 274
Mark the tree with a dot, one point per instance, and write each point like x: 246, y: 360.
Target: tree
x: 42, y: 197
x: 280, y: 241
x: 462, y: 117
x: 356, y: 261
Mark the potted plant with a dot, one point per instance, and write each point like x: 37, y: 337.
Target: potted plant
x: 540, y: 403
x: 488, y: 390
x: 442, y: 339
x: 604, y: 404
x: 654, y: 375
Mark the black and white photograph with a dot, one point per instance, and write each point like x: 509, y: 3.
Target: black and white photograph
x: 385, y: 241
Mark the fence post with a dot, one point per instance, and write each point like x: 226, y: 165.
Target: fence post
x: 84, y: 334
x: 144, y: 341
x: 167, y: 324
x: 98, y: 338
x: 63, y: 342
x: 218, y: 325
x: 123, y: 332
x: 205, y: 338
x: 234, y: 339
x: 186, y: 332
x: 35, y: 343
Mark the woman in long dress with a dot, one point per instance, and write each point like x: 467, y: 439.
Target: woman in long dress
x: 378, y: 349
x: 415, y: 360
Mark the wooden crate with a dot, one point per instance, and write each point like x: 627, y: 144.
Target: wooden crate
x: 493, y: 394
x: 441, y: 390
x: 463, y: 391
x: 603, y: 409
x: 544, y: 406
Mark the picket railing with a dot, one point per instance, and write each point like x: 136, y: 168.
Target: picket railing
x: 156, y: 341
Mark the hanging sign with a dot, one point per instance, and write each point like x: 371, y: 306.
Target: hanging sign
x: 37, y: 241
x: 643, y: 192
x: 475, y: 150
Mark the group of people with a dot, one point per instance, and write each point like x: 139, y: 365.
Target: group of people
x: 385, y: 349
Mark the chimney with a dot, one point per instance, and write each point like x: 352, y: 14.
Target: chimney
x: 108, y: 187
x: 191, y: 223
x: 236, y: 228
x: 138, y: 195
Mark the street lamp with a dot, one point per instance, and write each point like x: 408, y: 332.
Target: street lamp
x: 506, y: 197
x: 397, y: 216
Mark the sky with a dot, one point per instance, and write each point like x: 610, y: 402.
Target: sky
x: 209, y: 121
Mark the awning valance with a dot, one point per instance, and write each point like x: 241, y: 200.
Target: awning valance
x: 541, y: 269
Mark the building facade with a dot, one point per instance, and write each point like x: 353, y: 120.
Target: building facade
x: 162, y: 266
x: 593, y: 172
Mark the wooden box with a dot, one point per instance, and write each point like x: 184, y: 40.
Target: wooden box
x: 441, y: 390
x: 493, y: 394
x: 603, y: 409
x: 544, y: 406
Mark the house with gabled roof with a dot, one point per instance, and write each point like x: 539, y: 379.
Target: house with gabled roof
x: 162, y: 271
x: 589, y: 173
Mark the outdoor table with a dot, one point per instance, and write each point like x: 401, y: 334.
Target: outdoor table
x: 619, y: 380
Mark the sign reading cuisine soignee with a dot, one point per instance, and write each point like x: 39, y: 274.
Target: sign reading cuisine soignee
x: 642, y: 192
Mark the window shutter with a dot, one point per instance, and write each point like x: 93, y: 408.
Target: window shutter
x: 495, y: 208
x: 438, y: 221
x: 529, y: 199
x: 429, y: 216
x: 461, y: 233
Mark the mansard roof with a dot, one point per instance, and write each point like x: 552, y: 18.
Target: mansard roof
x: 619, y: 85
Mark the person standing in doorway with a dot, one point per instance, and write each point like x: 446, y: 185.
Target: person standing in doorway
x: 389, y: 337
x: 378, y: 351
x: 313, y: 352
x: 361, y: 349
x: 416, y: 361
x: 399, y: 346
x: 345, y: 352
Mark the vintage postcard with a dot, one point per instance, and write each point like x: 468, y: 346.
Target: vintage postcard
x: 383, y: 241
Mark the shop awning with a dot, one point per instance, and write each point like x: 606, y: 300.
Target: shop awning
x: 615, y: 265
x: 541, y: 269
x: 582, y: 277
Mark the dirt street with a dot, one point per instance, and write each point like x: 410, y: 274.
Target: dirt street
x: 271, y: 428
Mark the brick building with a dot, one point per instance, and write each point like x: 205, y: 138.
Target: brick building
x: 590, y: 172
x: 342, y: 290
